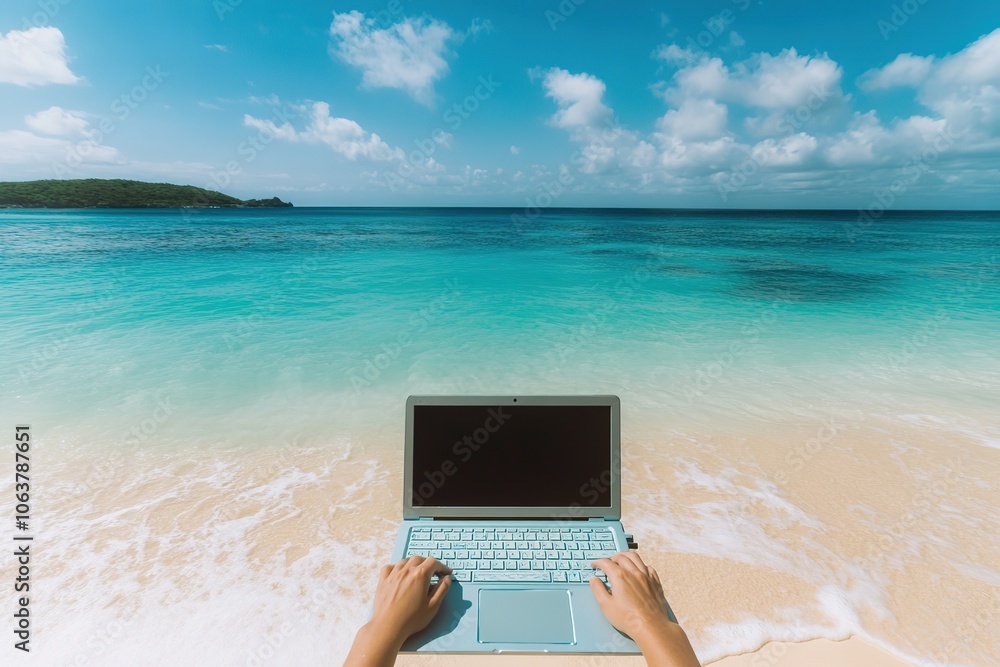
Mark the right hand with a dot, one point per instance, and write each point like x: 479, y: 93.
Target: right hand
x: 636, y: 604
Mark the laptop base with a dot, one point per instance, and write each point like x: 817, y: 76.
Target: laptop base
x: 515, y: 618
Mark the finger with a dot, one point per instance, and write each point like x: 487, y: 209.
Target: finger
x: 384, y: 572
x: 609, y: 567
x: 624, y: 562
x: 655, y: 576
x: 409, y: 562
x: 434, y: 566
x: 605, y: 564
x: 437, y: 597
x: 634, y: 558
x: 600, y: 591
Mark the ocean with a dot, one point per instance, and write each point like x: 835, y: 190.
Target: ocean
x: 216, y: 398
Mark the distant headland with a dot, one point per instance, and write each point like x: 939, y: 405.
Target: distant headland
x: 118, y: 193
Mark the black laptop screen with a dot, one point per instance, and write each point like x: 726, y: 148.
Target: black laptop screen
x: 511, y: 456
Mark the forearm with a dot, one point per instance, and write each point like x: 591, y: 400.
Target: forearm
x: 667, y: 646
x: 372, y: 648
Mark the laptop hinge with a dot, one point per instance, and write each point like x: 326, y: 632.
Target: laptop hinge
x: 598, y: 518
x: 425, y: 518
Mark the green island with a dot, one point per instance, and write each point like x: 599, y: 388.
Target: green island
x: 119, y: 193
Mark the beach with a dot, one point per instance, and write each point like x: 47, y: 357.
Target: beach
x: 810, y: 450
x: 279, y: 549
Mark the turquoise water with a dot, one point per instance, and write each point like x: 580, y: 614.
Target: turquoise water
x: 232, y: 325
x: 156, y: 353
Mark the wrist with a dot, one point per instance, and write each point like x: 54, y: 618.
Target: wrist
x: 377, y: 635
x: 656, y: 632
x: 373, y: 647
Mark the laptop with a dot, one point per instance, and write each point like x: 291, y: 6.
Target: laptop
x: 517, y: 494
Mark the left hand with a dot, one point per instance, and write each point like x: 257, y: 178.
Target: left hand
x: 403, y: 602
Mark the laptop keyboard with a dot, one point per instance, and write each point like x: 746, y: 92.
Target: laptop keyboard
x: 518, y: 555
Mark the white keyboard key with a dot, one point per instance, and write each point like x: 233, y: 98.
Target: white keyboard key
x: 520, y: 576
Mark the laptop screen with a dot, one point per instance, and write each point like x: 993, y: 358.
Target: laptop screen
x: 512, y: 456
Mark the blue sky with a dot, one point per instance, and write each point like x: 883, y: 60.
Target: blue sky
x: 731, y: 103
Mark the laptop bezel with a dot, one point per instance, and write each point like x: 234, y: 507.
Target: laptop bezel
x: 570, y: 512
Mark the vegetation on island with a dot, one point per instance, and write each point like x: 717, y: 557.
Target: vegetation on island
x: 118, y: 193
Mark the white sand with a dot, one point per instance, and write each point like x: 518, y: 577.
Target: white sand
x: 882, y: 530
x: 852, y: 652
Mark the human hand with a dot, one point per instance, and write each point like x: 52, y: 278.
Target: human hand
x: 403, y: 602
x: 636, y: 604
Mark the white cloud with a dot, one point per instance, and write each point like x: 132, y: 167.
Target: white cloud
x: 964, y: 89
x: 34, y: 57
x: 272, y: 99
x: 515, y: 150
x: 764, y: 81
x: 284, y: 131
x: 341, y: 134
x: 962, y: 92
x: 605, y: 146
x: 28, y: 149
x: 796, y: 109
x: 409, y: 55
x: 703, y: 77
x: 736, y: 40
x: 675, y: 55
x: 58, y: 121
x: 793, y: 151
x: 695, y: 119
x: 976, y: 64
x: 444, y: 138
x: 579, y: 97
x: 856, y: 145
x: 698, y: 158
x: 20, y: 147
x: 867, y: 142
x: 906, y: 70
x: 71, y: 144
x: 788, y: 80
x: 770, y: 87
x: 694, y: 139
x: 347, y: 137
x: 218, y: 47
x: 477, y: 26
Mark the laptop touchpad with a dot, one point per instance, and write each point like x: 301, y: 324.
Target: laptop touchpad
x: 525, y: 616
